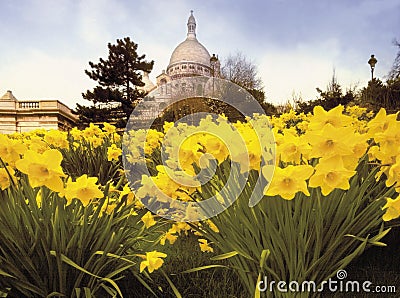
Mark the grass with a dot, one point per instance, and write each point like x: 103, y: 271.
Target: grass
x: 183, y: 255
x: 379, y: 265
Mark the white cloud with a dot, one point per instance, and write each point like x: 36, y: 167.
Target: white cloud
x: 98, y: 20
x: 46, y: 11
x: 41, y: 76
x: 305, y: 67
x: 43, y: 67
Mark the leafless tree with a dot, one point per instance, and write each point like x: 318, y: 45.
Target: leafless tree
x: 395, y: 71
x: 240, y: 70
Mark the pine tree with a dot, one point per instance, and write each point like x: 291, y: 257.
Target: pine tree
x: 118, y: 77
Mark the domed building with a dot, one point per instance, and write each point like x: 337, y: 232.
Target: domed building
x: 189, y: 59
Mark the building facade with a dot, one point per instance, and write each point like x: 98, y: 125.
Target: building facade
x: 24, y: 116
x: 189, y: 60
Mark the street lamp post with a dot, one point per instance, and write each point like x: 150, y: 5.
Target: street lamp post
x: 372, y: 61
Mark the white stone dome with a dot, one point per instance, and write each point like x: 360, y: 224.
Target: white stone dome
x: 190, y: 50
x: 190, y: 57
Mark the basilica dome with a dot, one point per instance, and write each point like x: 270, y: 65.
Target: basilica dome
x: 190, y: 57
x: 190, y: 50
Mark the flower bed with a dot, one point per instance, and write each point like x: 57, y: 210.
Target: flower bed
x: 296, y: 197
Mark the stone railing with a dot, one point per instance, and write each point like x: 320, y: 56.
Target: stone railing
x: 44, y: 105
x: 28, y: 105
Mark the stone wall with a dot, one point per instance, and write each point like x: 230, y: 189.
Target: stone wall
x: 24, y: 116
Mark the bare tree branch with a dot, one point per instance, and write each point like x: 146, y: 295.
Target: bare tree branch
x: 241, y: 71
x: 395, y: 71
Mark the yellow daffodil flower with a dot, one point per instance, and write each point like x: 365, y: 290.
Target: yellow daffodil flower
x: 392, y: 209
x: 108, y: 128
x: 394, y: 174
x: 293, y: 148
x: 113, y: 152
x: 56, y: 138
x: 152, y: 261
x: 168, y: 236
x: 330, y: 174
x: 212, y: 226
x: 43, y: 169
x: 84, y: 188
x: 380, y: 122
x: 6, y: 176
x: 204, y: 246
x: 331, y: 141
x: 288, y: 181
x: 148, y: 220
x: 126, y: 191
x: 10, y: 150
x: 334, y: 117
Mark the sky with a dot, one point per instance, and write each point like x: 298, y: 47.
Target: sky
x: 46, y: 45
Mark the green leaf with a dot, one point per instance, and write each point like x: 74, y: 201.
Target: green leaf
x: 68, y: 261
x: 145, y: 284
x: 174, y: 289
x: 224, y: 256
x: 4, y: 294
x: 204, y: 268
x: 264, y: 256
x: 55, y: 294
x: 114, y: 284
x: 5, y: 274
x: 115, y: 256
